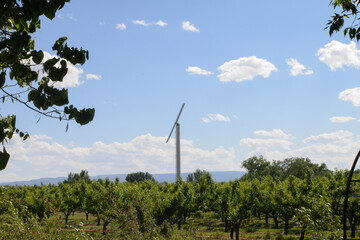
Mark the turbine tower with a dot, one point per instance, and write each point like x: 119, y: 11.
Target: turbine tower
x: 177, y: 125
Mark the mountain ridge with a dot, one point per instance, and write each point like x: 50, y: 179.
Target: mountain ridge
x: 217, y: 176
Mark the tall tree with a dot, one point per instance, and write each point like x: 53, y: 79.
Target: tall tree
x: 256, y: 166
x: 195, y: 176
x: 19, y: 82
x: 76, y: 177
x: 139, y: 177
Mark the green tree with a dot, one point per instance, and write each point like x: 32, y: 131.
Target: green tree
x: 69, y: 198
x: 139, y: 177
x: 40, y: 202
x: 222, y: 207
x: 76, y: 177
x: 19, y: 20
x: 286, y: 194
x: 241, y: 205
x: 353, y: 207
x: 205, y: 193
x: 95, y: 200
x: 297, y: 167
x: 313, y: 210
x: 195, y: 176
x: 256, y: 166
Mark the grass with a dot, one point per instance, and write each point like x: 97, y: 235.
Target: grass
x: 202, y: 226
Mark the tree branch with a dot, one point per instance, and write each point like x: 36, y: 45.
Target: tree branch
x: 47, y: 114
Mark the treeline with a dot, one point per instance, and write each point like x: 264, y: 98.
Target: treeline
x: 260, y: 167
x: 149, y: 210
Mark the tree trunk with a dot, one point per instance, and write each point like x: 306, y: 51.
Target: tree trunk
x: 73, y: 213
x: 67, y: 218
x: 237, y: 231
x: 302, y: 235
x: 185, y: 215
x: 267, y: 218
x: 276, y: 222
x: 104, y: 227
x: 98, y: 221
x: 353, y: 229
x: 232, y: 233
x: 286, y: 228
x: 226, y: 222
x: 179, y: 224
x: 259, y: 216
x: 87, y: 216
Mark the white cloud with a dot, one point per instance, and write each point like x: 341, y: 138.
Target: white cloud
x: 146, y: 24
x: 336, y: 149
x: 341, y: 119
x: 351, y: 95
x: 187, y: 26
x: 160, y: 23
x: 260, y: 144
x: 245, y: 68
x: 140, y: 22
x: 197, y: 70
x: 72, y: 78
x: 93, y: 76
x: 43, y: 156
x: 337, y: 55
x: 337, y: 136
x: 121, y: 26
x: 276, y: 133
x: 297, y: 68
x: 69, y: 16
x: 102, y: 23
x: 215, y: 117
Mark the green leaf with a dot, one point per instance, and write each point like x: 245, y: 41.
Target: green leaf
x: 26, y: 136
x: 58, y: 45
x: 85, y: 116
x: 37, y: 56
x: 50, y: 63
x: 4, y: 158
x: 2, y: 79
x: 58, y: 74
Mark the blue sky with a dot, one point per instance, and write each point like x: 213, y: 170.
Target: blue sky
x: 257, y: 77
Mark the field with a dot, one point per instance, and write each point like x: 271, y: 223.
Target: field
x: 309, y: 208
x: 198, y: 227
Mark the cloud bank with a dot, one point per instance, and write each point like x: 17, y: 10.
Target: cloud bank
x: 46, y: 157
x: 341, y: 119
x: 336, y: 149
x: 276, y: 133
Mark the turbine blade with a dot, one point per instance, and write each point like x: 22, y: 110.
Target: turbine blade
x: 175, y: 122
x: 170, y: 133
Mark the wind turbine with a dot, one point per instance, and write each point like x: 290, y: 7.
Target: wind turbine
x: 177, y: 142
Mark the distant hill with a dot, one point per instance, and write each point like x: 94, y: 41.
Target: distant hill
x: 223, y: 176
